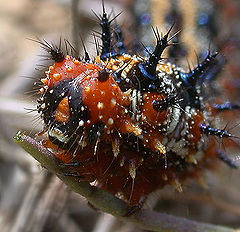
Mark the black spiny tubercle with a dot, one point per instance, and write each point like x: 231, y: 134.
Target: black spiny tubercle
x: 207, y: 130
x: 106, y: 35
x: 148, y: 69
x: 162, y: 44
x: 55, y: 51
x: 199, y: 74
x: 194, y: 79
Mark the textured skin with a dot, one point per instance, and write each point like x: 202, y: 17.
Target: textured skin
x: 140, y: 149
x: 130, y: 124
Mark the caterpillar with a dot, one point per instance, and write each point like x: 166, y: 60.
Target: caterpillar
x: 130, y: 124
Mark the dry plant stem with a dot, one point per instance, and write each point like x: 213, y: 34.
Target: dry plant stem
x: 146, y: 219
x: 75, y: 27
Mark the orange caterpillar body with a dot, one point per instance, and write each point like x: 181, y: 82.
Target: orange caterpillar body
x: 129, y: 125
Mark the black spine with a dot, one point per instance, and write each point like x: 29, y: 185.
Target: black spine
x: 207, y: 130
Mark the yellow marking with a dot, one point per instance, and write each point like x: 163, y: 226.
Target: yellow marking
x: 44, y: 81
x: 132, y: 170
x: 164, y: 177
x: 130, y: 127
x: 57, y: 76
x: 191, y: 159
x: 87, y: 89
x: 69, y: 69
x: 76, y: 61
x: 100, y: 105
x: 176, y: 184
x: 113, y: 102
x: 62, y: 112
x: 167, y: 68
x: 116, y: 147
x: 160, y: 147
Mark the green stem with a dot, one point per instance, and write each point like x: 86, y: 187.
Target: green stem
x: 146, y: 219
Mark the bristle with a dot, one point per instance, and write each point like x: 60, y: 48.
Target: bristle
x: 148, y: 69
x: 86, y: 57
x: 55, y: 52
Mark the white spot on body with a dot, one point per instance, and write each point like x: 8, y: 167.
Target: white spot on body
x: 100, y: 105
x: 81, y: 123
x: 113, y: 102
x: 110, y: 121
x: 43, y: 106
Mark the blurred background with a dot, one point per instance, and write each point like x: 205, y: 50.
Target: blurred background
x: 31, y: 198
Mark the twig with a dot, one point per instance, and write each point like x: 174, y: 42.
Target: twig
x: 75, y: 23
x: 146, y: 219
